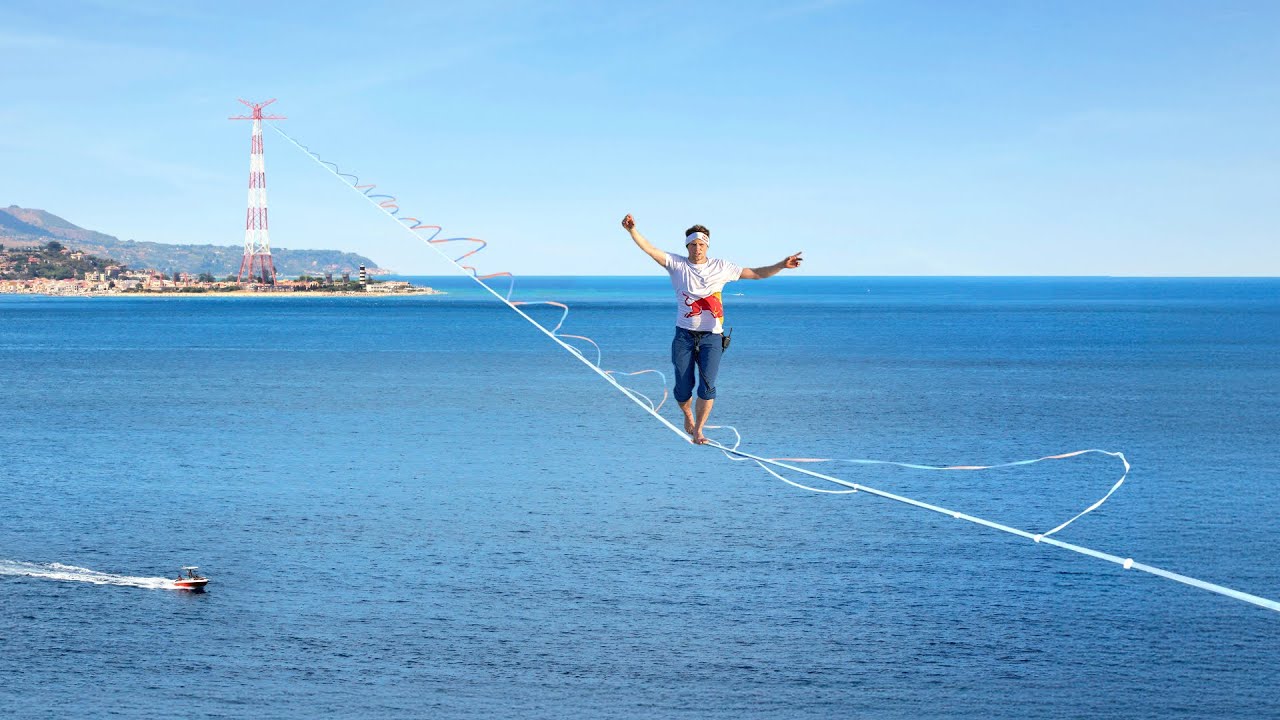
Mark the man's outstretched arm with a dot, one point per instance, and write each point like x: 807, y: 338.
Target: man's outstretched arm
x: 789, y: 262
x: 660, y: 257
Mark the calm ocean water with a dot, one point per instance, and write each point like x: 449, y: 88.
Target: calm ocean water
x: 422, y: 507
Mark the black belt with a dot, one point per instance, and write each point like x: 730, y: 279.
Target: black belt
x: 699, y: 334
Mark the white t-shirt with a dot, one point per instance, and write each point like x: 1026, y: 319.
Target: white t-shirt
x: 698, y: 305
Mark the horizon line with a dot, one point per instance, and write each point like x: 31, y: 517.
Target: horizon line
x: 908, y: 277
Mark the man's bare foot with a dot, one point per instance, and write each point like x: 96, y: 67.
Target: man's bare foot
x: 697, y: 437
x: 688, y: 424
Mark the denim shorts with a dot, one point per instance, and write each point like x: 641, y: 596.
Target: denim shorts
x: 706, y: 359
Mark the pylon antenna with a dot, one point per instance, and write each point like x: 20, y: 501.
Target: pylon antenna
x: 257, y: 262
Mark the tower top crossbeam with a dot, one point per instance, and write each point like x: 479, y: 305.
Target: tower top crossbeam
x: 257, y: 111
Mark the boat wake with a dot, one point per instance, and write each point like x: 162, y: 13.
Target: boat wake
x: 71, y: 573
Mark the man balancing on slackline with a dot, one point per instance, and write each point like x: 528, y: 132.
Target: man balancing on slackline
x: 699, y: 338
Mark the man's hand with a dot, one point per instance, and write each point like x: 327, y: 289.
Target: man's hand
x: 628, y: 223
x: 791, y: 263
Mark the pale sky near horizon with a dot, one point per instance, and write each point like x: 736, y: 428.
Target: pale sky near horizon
x: 881, y: 138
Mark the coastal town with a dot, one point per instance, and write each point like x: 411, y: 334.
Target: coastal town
x: 54, y: 269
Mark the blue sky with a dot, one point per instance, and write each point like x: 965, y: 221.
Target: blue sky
x: 881, y: 138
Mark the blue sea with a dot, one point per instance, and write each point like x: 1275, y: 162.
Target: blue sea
x: 423, y: 507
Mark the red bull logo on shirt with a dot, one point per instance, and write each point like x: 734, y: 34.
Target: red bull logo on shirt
x: 710, y: 303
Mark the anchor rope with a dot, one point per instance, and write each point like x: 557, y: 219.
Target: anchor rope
x: 430, y: 234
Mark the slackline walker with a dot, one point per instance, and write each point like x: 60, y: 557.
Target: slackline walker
x: 430, y: 234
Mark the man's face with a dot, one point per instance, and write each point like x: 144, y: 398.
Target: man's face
x: 697, y: 250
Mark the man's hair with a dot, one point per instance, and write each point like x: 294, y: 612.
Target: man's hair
x: 697, y: 228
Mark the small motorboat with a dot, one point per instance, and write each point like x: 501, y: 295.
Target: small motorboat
x: 191, y: 581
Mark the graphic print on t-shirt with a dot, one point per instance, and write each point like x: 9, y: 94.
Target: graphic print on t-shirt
x: 710, y: 303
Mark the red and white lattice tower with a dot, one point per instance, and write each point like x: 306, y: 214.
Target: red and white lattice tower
x: 257, y: 262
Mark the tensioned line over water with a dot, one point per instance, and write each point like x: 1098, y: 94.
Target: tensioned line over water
x: 429, y: 234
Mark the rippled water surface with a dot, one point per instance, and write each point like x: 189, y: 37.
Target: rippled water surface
x: 422, y: 507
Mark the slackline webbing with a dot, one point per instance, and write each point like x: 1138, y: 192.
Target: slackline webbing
x: 430, y: 234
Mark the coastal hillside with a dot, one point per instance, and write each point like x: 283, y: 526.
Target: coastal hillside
x: 29, y: 227
x: 51, y: 261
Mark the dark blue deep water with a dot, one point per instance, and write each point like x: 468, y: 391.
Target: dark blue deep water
x: 421, y: 507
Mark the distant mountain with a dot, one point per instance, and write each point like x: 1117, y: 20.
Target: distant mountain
x: 21, y: 227
x: 12, y: 226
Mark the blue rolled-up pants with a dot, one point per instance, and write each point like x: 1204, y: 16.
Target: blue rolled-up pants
x: 706, y: 358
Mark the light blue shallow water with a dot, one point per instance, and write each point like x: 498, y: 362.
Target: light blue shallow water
x: 422, y: 507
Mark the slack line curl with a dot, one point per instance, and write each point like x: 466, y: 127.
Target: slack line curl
x: 699, y: 341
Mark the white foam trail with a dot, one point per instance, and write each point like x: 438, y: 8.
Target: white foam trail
x: 71, y: 573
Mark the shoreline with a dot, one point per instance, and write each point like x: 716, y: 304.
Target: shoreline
x: 229, y: 294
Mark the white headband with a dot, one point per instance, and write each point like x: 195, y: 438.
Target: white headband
x: 696, y: 236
